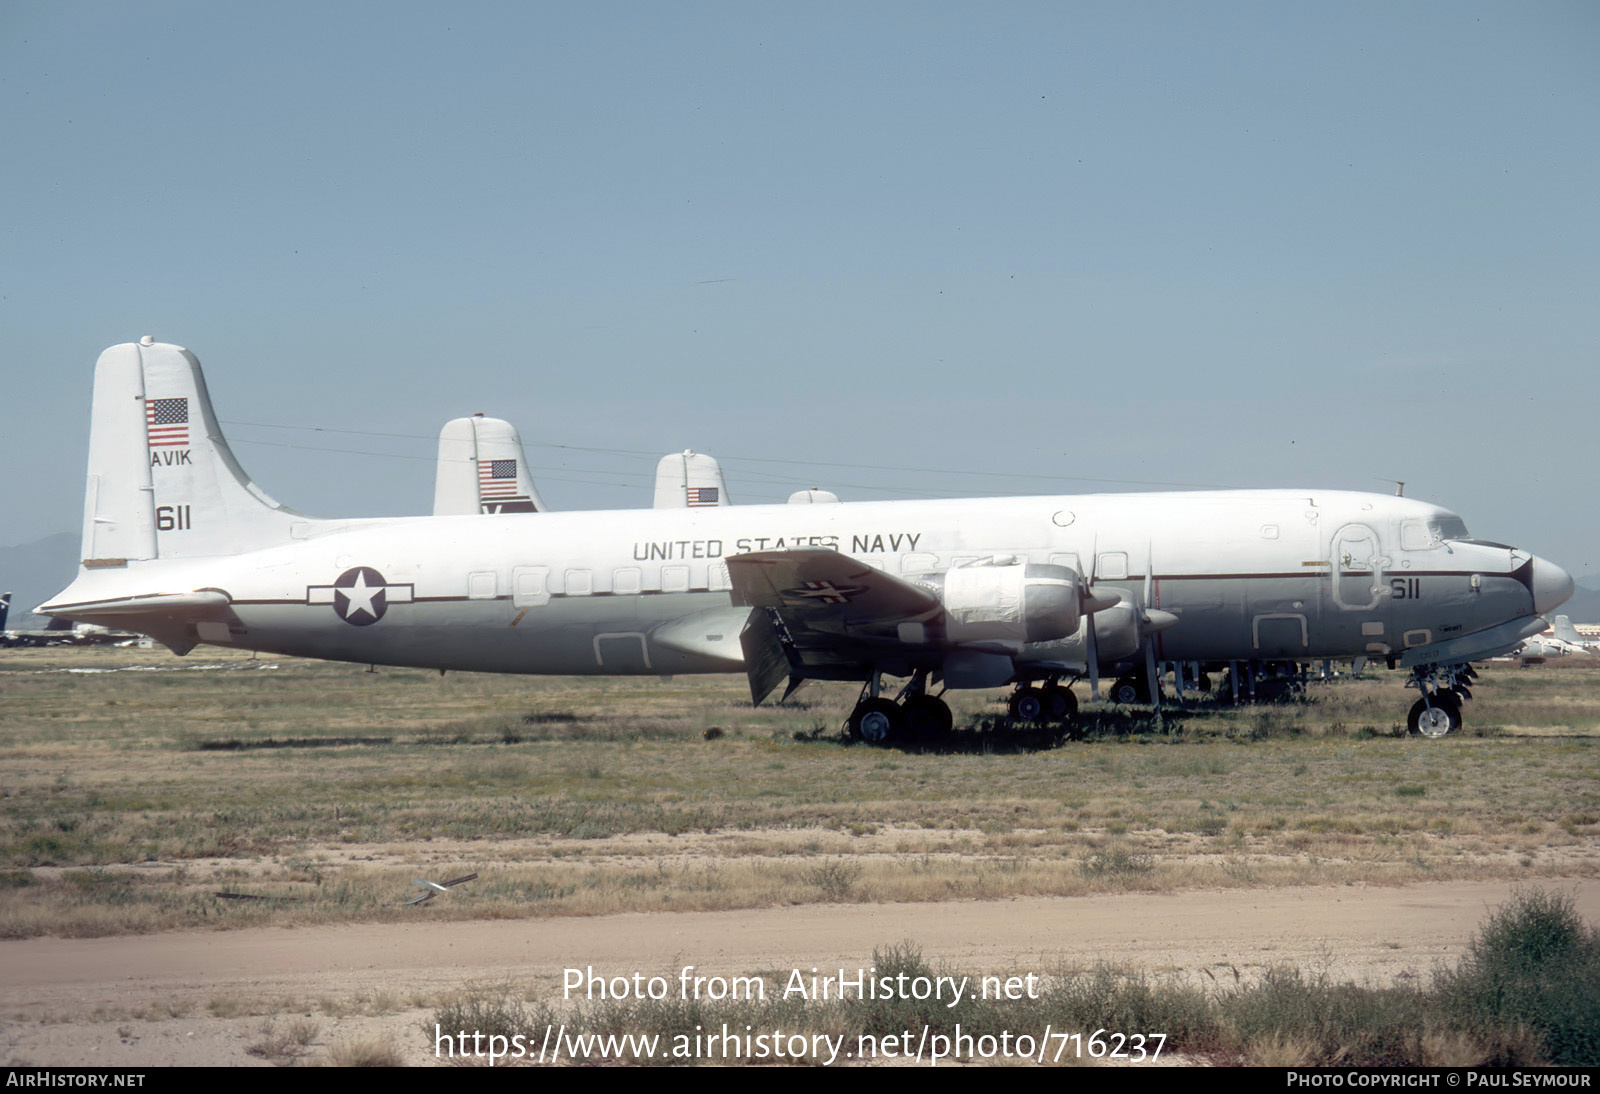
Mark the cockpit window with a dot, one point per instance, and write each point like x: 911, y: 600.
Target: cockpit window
x: 1449, y: 527
x: 1415, y: 536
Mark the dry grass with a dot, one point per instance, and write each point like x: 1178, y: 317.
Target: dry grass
x: 131, y: 798
x: 373, y: 1051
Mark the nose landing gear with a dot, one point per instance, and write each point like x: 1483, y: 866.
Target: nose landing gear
x: 1444, y: 688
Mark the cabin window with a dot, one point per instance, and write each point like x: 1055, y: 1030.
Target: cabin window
x: 626, y: 582
x: 719, y: 577
x: 1069, y: 559
x: 919, y: 562
x: 481, y: 585
x: 1112, y: 566
x: 527, y: 586
x: 674, y: 579
x: 579, y: 583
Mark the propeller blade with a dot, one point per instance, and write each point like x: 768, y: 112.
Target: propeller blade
x: 1150, y: 674
x: 1093, y: 652
x: 1093, y: 657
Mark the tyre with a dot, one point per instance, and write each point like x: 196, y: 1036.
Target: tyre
x: 1027, y: 705
x: 927, y: 717
x: 1436, y: 720
x: 875, y: 721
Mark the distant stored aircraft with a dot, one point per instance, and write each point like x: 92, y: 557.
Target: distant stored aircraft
x: 1562, y: 640
x: 481, y: 469
x: 179, y: 544
x: 689, y: 480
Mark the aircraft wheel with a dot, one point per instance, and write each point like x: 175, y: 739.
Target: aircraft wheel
x: 1434, y: 721
x: 1276, y: 690
x: 875, y: 721
x: 927, y: 716
x: 1127, y: 691
x: 1060, y: 705
x: 1027, y: 705
x: 1447, y: 697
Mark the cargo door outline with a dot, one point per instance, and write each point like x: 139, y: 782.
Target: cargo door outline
x: 622, y: 647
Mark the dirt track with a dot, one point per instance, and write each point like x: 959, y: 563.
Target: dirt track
x: 72, y: 1001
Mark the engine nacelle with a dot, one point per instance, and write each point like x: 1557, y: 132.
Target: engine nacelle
x: 1008, y: 600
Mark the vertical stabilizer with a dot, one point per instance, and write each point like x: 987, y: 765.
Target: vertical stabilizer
x: 689, y: 480
x: 482, y: 469
x: 1563, y: 629
x: 5, y: 610
x: 162, y: 480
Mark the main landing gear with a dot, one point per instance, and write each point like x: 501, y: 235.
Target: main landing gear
x: 1444, y: 688
x: 1052, y: 704
x: 915, y: 716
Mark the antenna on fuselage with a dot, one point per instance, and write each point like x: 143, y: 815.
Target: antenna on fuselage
x: 1399, y: 486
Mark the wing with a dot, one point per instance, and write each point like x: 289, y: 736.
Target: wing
x: 826, y: 615
x: 824, y: 590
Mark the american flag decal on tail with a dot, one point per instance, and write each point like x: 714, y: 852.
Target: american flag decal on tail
x: 702, y: 495
x: 166, y: 422
x: 497, y: 479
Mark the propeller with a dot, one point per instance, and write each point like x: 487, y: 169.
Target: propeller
x: 1144, y: 620
x: 1093, y: 651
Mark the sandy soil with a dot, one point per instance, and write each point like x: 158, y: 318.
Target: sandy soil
x: 111, y: 1001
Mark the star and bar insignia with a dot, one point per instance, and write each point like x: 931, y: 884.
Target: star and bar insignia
x: 821, y: 592
x: 360, y: 596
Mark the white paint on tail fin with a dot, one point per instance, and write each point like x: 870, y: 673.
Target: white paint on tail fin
x: 689, y: 480
x: 482, y: 469
x: 162, y: 481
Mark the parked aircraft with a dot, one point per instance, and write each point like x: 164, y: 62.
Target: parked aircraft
x: 481, y: 469
x: 1562, y: 629
x: 179, y: 544
x: 689, y: 480
x: 1562, y: 640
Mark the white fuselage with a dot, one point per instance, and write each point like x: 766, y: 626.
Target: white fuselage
x: 1249, y: 574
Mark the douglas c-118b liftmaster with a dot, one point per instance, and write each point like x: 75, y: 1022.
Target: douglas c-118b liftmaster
x: 179, y: 544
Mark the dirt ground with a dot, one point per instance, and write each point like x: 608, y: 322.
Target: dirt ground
x: 209, y: 997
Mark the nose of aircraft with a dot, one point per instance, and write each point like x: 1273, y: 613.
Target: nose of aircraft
x: 1551, y: 586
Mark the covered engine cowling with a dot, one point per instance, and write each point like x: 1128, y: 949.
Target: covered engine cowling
x: 1008, y: 600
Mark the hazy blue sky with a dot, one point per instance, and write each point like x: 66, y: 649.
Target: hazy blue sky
x: 1061, y: 244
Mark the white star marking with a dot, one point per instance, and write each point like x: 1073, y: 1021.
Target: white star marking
x: 361, y: 595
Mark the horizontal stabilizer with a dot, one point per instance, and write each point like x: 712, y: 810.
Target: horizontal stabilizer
x: 175, y: 607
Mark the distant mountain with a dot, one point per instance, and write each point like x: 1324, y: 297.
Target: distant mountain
x: 1584, y: 607
x: 34, y: 572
